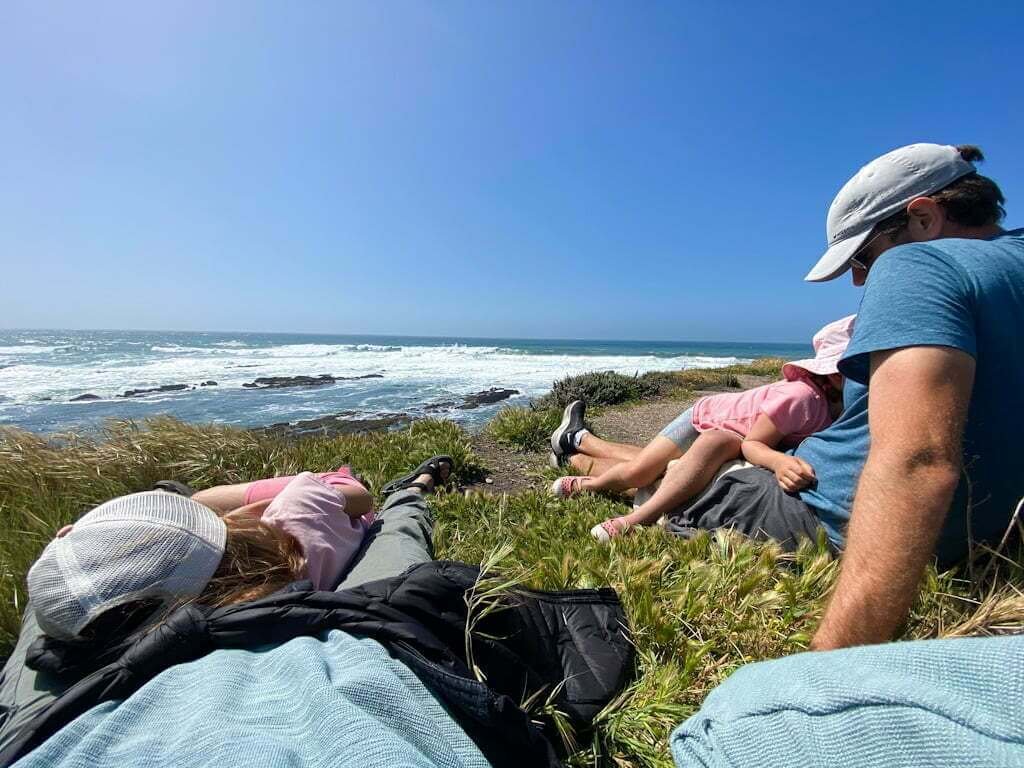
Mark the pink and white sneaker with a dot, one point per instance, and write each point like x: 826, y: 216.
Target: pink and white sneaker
x: 610, y: 529
x: 566, y: 487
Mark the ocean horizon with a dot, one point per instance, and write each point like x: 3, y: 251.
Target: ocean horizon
x: 74, y: 380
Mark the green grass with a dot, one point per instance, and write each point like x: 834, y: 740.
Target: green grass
x: 709, y: 378
x: 524, y: 428
x: 698, y: 609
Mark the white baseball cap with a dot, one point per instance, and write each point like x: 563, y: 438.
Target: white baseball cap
x: 879, y: 190
x: 141, y: 546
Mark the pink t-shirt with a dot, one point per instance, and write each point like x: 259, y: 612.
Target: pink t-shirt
x: 268, y: 488
x: 313, y: 512
x: 796, y: 408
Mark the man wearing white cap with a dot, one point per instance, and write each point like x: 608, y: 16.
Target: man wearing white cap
x: 939, y: 337
x: 932, y: 467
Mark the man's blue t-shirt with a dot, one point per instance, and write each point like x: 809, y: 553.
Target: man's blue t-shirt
x: 960, y: 293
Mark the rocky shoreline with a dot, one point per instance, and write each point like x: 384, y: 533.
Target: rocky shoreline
x: 263, y: 382
x: 350, y: 422
x: 343, y: 423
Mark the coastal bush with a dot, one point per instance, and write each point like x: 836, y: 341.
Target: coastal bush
x: 598, y: 388
x: 709, y: 378
x: 727, y: 377
x: 524, y: 428
x: 762, y: 366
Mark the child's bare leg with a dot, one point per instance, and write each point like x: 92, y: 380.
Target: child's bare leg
x: 689, y: 476
x: 588, y: 465
x: 222, y: 498
x: 644, y: 468
x: 595, y: 447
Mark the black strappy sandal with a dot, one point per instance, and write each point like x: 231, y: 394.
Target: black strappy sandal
x: 431, y: 466
x: 173, y: 486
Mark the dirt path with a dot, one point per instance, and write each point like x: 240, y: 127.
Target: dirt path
x: 508, y: 471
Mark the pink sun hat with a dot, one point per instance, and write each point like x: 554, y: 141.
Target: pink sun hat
x: 829, y: 345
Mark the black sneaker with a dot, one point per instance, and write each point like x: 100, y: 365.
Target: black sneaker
x: 563, y: 438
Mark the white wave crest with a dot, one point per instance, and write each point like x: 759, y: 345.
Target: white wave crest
x: 421, y: 372
x: 27, y: 349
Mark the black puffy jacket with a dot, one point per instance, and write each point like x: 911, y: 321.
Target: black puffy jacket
x: 573, y: 647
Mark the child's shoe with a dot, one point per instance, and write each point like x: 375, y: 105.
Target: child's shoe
x: 610, y: 529
x: 568, y: 486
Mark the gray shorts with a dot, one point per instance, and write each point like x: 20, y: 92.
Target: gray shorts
x: 681, y: 430
x: 750, y: 502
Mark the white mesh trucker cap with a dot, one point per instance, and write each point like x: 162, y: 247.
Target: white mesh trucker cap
x: 145, y: 545
x: 879, y: 190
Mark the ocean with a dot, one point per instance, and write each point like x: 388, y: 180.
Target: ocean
x: 42, y: 371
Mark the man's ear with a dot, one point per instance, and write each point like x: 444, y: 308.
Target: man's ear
x: 926, y: 219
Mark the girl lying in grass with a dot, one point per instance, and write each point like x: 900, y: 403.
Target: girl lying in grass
x: 719, y: 428
x: 224, y: 545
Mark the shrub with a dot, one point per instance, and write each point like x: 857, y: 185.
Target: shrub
x: 709, y: 378
x: 524, y: 428
x: 599, y: 388
x: 762, y: 366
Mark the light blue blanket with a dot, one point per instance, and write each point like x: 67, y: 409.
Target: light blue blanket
x: 339, y: 702
x: 946, y: 703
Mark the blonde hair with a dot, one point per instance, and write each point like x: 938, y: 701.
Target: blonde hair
x: 258, y: 560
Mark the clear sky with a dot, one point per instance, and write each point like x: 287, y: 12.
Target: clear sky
x: 540, y: 169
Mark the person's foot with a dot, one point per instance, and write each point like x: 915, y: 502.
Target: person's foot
x: 563, y: 439
x: 566, y: 487
x: 610, y: 529
x: 443, y: 472
x: 426, y: 477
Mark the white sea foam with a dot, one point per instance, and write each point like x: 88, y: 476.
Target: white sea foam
x: 27, y: 349
x: 435, y: 370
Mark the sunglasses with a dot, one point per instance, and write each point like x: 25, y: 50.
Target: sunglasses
x: 857, y: 260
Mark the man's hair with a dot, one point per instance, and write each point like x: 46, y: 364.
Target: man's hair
x: 972, y: 200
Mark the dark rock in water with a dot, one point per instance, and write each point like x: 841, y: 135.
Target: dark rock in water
x: 86, y: 396
x: 338, y: 424
x: 162, y: 388
x: 488, y: 396
x: 208, y: 384
x: 442, y: 406
x: 278, y: 382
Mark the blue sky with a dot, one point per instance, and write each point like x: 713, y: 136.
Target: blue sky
x: 540, y: 169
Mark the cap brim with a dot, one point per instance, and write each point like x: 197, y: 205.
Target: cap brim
x: 836, y: 259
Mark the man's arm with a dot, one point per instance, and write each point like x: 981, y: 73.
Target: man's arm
x: 918, y: 407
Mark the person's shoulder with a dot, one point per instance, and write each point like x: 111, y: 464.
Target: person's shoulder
x: 917, y: 267
x: 957, y: 251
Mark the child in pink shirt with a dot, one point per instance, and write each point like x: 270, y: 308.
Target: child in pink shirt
x: 318, y: 521
x: 717, y: 429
